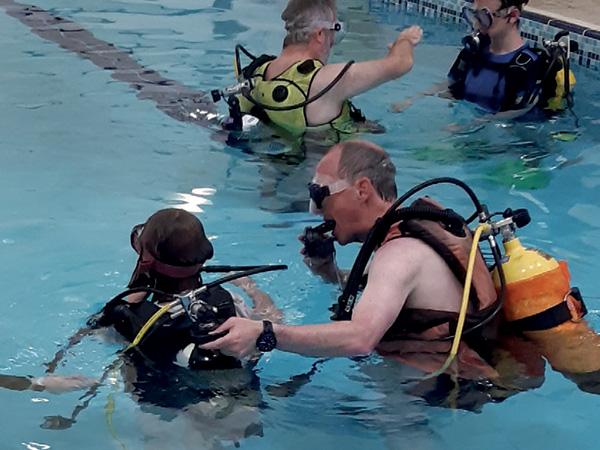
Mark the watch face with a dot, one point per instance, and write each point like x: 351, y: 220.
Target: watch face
x: 266, y: 342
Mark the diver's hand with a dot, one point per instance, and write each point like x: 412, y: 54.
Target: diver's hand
x: 316, y: 246
x: 240, y: 340
x: 56, y: 384
x: 247, y: 284
x: 401, y: 106
x: 412, y: 35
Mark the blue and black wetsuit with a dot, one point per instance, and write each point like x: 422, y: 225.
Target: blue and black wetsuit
x: 496, y: 83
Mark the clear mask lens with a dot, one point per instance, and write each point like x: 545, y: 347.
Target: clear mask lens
x: 478, y: 18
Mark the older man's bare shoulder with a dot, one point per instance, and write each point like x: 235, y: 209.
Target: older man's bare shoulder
x: 404, y: 249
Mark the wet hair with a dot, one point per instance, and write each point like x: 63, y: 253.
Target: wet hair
x: 175, y: 237
x: 516, y: 3
x: 365, y: 159
x: 300, y: 15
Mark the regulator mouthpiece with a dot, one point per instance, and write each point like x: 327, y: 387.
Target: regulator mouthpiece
x: 316, y: 243
x: 475, y: 41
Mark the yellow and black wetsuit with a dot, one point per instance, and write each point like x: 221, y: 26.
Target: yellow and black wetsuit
x: 290, y: 88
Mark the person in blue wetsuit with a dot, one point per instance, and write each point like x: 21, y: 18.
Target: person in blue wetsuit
x: 499, y: 71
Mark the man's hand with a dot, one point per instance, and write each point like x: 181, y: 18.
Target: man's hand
x: 323, y: 265
x: 56, y: 384
x: 240, y: 340
x: 412, y: 35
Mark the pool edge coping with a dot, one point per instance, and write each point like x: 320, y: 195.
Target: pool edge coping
x: 571, y: 24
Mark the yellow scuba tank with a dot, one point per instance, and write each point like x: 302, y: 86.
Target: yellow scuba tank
x: 558, y: 102
x: 539, y: 302
x: 534, y: 281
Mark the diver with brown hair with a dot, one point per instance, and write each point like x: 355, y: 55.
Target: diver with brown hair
x: 172, y: 248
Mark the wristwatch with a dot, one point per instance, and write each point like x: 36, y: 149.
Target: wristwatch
x: 266, y: 341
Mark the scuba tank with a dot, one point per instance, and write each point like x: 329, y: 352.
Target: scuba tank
x: 540, y: 302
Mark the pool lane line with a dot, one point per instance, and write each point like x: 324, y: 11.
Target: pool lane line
x: 171, y: 97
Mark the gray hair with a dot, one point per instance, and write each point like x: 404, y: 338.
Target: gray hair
x: 365, y: 159
x: 300, y: 17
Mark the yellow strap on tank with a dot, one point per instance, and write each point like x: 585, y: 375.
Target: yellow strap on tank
x: 157, y: 315
x: 465, y: 303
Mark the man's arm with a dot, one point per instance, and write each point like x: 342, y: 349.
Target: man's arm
x: 392, y: 278
x: 361, y: 76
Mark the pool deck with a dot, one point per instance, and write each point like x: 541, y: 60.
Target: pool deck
x: 581, y: 12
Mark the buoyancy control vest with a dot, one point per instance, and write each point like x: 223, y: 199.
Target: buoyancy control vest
x: 169, y: 337
x: 291, y: 87
x: 532, y: 76
x: 449, y: 236
x: 454, y: 249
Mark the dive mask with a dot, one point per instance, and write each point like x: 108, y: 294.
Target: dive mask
x: 481, y: 18
x: 319, y: 192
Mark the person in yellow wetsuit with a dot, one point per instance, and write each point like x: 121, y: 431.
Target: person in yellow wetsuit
x: 298, y: 91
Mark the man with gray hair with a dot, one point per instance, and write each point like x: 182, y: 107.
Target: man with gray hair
x: 409, y: 305
x: 298, y: 91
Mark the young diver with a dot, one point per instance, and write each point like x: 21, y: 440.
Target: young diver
x: 499, y: 72
x: 155, y: 368
x: 172, y: 248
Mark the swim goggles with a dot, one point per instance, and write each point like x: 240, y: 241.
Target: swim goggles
x: 482, y: 17
x: 319, y: 192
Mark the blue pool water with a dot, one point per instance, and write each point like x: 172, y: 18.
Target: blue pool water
x: 83, y: 159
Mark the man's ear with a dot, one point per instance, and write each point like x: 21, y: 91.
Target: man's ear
x: 364, y: 188
x: 320, y: 36
x: 514, y: 15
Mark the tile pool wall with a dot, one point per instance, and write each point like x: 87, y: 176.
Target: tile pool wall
x: 535, y: 27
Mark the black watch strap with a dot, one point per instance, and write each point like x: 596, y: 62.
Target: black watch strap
x: 267, y: 326
x: 266, y: 341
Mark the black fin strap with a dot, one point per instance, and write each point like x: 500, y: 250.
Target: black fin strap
x: 554, y: 316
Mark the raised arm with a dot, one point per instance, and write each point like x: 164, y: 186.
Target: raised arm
x: 362, y: 76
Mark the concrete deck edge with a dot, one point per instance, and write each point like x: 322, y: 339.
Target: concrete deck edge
x: 568, y: 23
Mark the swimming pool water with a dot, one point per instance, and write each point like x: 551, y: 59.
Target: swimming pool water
x: 83, y: 159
